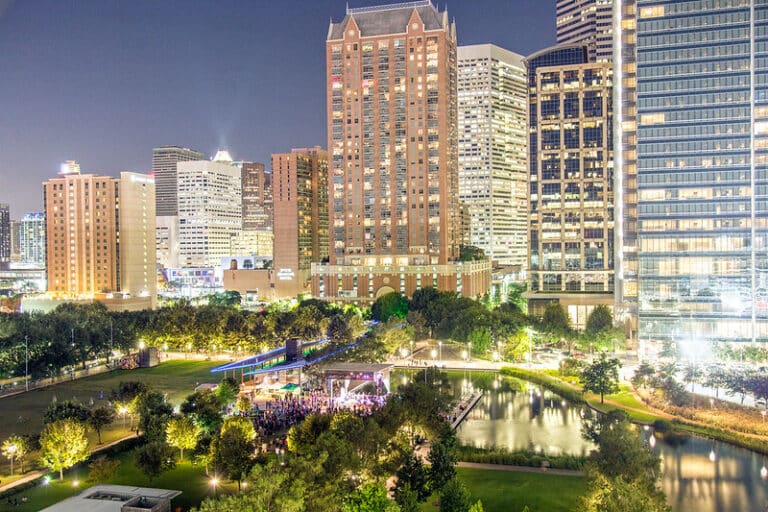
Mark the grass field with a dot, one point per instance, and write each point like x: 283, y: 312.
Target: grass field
x: 22, y: 413
x: 189, y: 479
x: 509, y: 491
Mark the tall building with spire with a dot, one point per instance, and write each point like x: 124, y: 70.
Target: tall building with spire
x: 393, y: 143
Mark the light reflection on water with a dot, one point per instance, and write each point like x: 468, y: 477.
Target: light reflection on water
x: 692, y: 482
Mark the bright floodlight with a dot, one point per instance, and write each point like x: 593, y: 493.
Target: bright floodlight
x: 222, y: 155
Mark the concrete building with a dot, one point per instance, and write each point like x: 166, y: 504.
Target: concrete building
x: 493, y: 159
x: 699, y: 162
x: 5, y: 236
x: 301, y: 215
x: 100, y: 238
x: 589, y: 22
x: 209, y: 210
x: 257, y: 196
x: 32, y: 240
x: 15, y: 242
x: 571, y: 253
x: 392, y: 139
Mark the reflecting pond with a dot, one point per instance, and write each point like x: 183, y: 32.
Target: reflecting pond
x: 698, y: 474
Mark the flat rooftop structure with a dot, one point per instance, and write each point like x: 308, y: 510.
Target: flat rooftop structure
x: 117, y: 498
x: 355, y: 367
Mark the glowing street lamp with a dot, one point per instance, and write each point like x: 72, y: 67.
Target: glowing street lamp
x: 123, y: 411
x: 440, y: 350
x: 464, y: 355
x: 433, y: 353
x: 141, y: 345
x: 214, y: 483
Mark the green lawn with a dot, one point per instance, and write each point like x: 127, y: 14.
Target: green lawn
x: 626, y: 399
x: 22, y: 414
x: 189, y: 479
x: 510, y: 491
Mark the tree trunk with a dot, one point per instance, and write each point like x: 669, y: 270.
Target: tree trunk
x: 182, y: 454
x: 61, y: 473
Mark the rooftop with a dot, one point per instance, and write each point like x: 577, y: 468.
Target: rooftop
x: 115, y: 498
x: 389, y: 19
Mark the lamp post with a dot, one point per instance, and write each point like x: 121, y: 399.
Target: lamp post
x: 433, y: 353
x: 440, y: 349
x: 214, y: 484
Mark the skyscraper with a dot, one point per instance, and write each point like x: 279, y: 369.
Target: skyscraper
x: 257, y: 196
x: 493, y: 160
x: 701, y: 168
x: 210, y: 211
x: 571, y: 182
x: 588, y: 22
x: 392, y: 139
x: 5, y: 235
x: 32, y: 239
x: 301, y: 215
x: 164, y: 160
x: 100, y: 237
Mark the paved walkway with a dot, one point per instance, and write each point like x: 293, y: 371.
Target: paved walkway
x: 42, y: 472
x: 520, y: 469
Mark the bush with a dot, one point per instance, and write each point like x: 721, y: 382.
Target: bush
x: 550, y: 383
x: 662, y: 426
x: 527, y: 458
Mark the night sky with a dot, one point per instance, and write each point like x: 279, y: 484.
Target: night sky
x: 104, y: 81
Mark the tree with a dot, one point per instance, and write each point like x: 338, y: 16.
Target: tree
x: 66, y: 410
x: 407, y: 499
x: 738, y: 384
x: 471, y: 253
x: 154, y: 413
x: 100, y: 418
x: 716, y: 378
x: 643, y: 375
x: 413, y: 474
x: 14, y: 449
x: 232, y: 453
x: 477, y: 507
x: 602, y: 376
x: 371, y: 497
x: 442, y: 459
x: 227, y: 390
x: 391, y: 304
x: 243, y: 403
x: 154, y: 458
x: 480, y: 338
x: 599, y: 320
x: 455, y: 497
x: 338, y: 330
x: 556, y: 320
x: 617, y: 495
x: 269, y: 490
x: 758, y: 386
x: 241, y: 424
x: 182, y: 433
x: 621, y: 452
x: 205, y: 408
x: 102, y: 469
x: 63, y: 444
x: 692, y: 374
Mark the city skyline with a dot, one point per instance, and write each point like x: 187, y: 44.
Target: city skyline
x: 73, y: 90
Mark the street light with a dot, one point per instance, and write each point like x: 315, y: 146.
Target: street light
x: 469, y: 356
x: 214, y: 483
x: 123, y: 411
x: 433, y: 353
x: 12, y: 454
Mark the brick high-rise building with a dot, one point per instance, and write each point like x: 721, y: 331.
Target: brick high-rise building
x: 100, y: 237
x: 392, y: 139
x: 301, y: 216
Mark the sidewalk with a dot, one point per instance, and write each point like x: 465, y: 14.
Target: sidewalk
x: 42, y: 472
x: 520, y: 469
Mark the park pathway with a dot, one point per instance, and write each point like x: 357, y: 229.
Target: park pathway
x: 42, y: 472
x: 520, y: 469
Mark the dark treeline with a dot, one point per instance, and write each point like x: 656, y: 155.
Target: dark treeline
x: 74, y: 334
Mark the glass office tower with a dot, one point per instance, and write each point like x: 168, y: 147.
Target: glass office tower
x: 702, y: 173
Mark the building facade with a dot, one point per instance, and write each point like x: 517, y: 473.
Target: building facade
x: 32, y: 240
x: 588, y: 22
x: 493, y: 159
x: 300, y: 216
x: 5, y: 235
x: 392, y: 139
x: 164, y: 160
x: 257, y: 196
x: 702, y: 170
x: 100, y: 237
x: 571, y: 253
x: 209, y: 211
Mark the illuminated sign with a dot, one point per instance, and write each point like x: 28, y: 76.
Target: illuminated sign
x: 285, y: 274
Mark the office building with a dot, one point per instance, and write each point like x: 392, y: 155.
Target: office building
x: 100, y: 238
x: 164, y: 160
x: 589, y: 22
x: 301, y: 215
x: 32, y: 240
x: 5, y: 236
x: 392, y: 142
x: 701, y: 169
x: 493, y: 160
x: 209, y: 210
x: 257, y: 196
x: 571, y: 223
x: 15, y: 243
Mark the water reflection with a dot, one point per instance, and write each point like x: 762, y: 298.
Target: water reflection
x: 532, y: 418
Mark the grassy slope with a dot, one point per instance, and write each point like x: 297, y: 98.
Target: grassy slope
x: 509, y: 491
